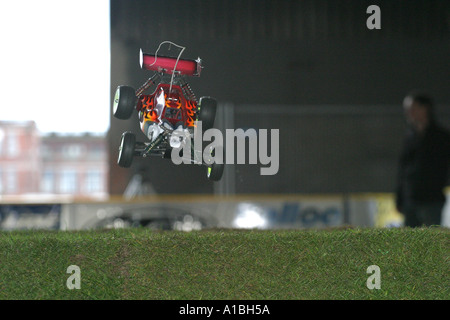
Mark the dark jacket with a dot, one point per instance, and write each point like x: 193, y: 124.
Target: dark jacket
x: 424, y: 167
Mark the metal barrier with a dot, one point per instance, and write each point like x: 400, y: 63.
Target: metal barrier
x: 194, y: 212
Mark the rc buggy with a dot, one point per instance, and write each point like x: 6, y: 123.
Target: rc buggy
x: 168, y: 115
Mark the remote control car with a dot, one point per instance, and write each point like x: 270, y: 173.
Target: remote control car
x: 168, y: 115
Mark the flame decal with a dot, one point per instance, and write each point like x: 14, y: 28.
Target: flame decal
x: 147, y: 109
x: 148, y: 113
x: 191, y: 108
x: 172, y: 103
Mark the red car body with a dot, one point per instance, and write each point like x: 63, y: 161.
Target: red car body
x: 177, y: 108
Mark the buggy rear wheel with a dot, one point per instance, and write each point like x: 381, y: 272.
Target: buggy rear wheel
x: 207, y: 112
x: 214, y: 171
x: 124, y: 102
x: 126, y: 149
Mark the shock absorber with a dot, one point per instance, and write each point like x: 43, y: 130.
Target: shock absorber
x: 187, y: 90
x: 151, y: 81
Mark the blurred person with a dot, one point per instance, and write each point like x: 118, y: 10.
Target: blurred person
x: 423, y: 165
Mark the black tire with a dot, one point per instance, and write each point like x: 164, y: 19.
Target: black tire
x: 207, y: 112
x: 124, y: 102
x: 214, y: 171
x: 126, y: 149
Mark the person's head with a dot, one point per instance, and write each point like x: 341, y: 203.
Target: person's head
x: 418, y: 109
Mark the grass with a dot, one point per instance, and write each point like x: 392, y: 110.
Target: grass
x: 226, y: 264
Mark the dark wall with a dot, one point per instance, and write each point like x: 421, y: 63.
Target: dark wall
x: 295, y: 53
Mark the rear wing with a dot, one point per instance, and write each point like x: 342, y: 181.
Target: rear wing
x: 167, y: 65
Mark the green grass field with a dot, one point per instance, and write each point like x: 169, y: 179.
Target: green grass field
x: 226, y: 264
